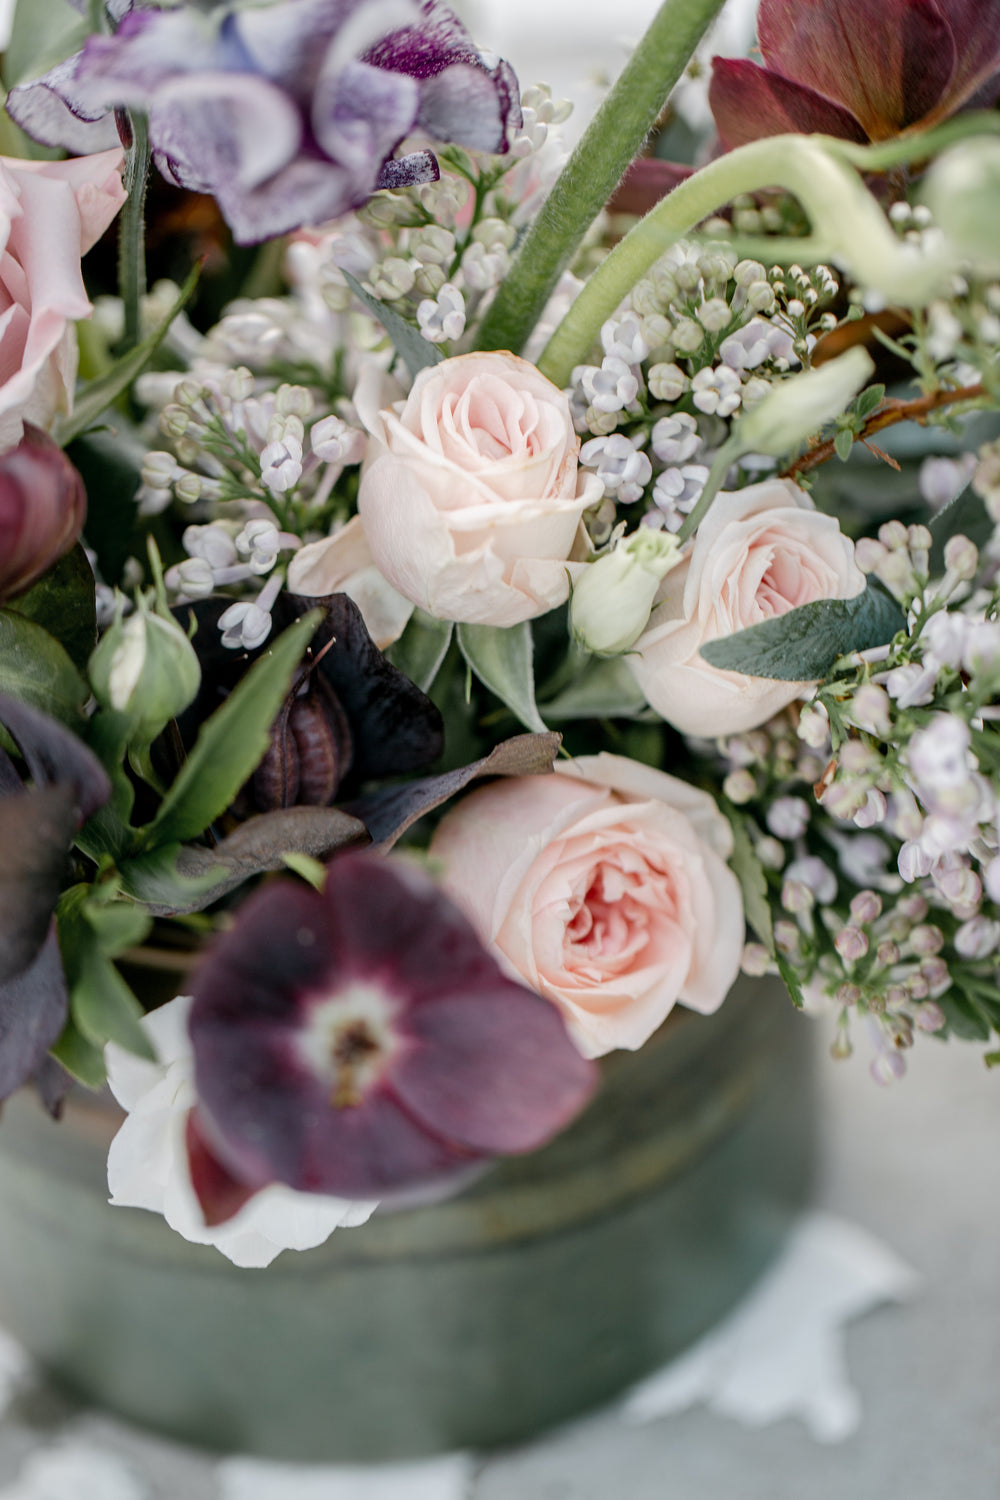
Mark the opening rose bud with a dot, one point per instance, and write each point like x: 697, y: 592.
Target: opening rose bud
x: 43, y: 505
x: 612, y: 599
x: 362, y: 1040
x: 795, y: 409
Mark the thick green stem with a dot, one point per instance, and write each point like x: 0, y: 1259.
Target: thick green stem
x: 611, y: 141
x: 132, y: 231
x: 848, y: 227
x: 727, y: 454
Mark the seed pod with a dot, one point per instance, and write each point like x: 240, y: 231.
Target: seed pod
x: 310, y: 751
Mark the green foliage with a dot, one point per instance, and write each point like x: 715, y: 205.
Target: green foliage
x: 422, y: 648
x: 416, y: 352
x: 802, y: 645
x: 35, y: 668
x: 63, y: 602
x: 503, y: 660
x: 231, y: 742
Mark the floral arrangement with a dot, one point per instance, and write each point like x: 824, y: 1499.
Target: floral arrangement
x: 516, y: 512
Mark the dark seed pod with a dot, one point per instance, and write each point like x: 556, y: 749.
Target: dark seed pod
x: 310, y: 751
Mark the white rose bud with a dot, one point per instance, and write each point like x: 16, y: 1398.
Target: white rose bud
x: 795, y: 409
x: 145, y: 667
x: 612, y: 600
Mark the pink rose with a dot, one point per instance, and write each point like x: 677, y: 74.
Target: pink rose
x: 470, y: 496
x: 342, y: 564
x: 758, y: 553
x: 605, y: 887
x: 51, y: 212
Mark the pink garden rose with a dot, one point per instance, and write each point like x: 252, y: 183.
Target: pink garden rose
x: 342, y: 564
x: 51, y: 212
x: 605, y: 887
x: 470, y: 496
x: 759, y: 552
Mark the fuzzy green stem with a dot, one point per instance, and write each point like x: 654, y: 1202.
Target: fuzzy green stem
x: 611, y: 141
x: 848, y: 227
x: 132, y: 231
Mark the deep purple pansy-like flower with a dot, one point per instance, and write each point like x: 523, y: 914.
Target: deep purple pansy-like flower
x: 859, y: 69
x: 289, y: 114
x: 362, y: 1041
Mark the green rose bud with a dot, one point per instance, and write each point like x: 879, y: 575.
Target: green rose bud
x: 796, y: 409
x: 144, y: 666
x: 962, y: 191
x: 612, y: 600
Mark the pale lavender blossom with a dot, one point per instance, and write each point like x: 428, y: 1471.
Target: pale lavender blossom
x: 756, y: 342
x: 288, y: 113
x: 622, y: 469
x: 788, y: 817
x: 677, y: 491
x: 675, y: 439
x: 815, y: 874
x: 623, y: 339
x: 911, y: 685
x: 717, y: 392
x: 610, y: 386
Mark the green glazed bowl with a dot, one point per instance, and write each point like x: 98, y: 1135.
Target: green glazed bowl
x: 541, y: 1291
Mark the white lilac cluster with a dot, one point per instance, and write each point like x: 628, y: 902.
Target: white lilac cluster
x: 256, y: 464
x: 699, y: 341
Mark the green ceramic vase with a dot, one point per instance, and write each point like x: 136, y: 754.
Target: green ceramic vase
x: 540, y: 1292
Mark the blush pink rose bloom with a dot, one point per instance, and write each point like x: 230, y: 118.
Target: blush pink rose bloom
x: 605, y: 888
x: 759, y: 552
x: 51, y: 212
x: 470, y: 495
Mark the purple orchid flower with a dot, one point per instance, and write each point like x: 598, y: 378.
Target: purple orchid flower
x: 289, y: 114
x: 863, y: 70
x: 362, y: 1041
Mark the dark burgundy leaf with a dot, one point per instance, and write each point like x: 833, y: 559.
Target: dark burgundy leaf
x: 646, y: 181
x: 55, y: 756
x: 36, y: 831
x: 389, y: 813
x: 33, y: 1010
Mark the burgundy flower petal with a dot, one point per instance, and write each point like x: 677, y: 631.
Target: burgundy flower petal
x: 646, y: 181
x: 43, y: 505
x: 33, y: 1010
x: 219, y: 1194
x: 464, y: 97
x: 749, y: 103
x: 887, y: 61
x: 506, y: 1045
x: 362, y: 1041
x: 50, y: 110
x: 360, y: 114
x: 975, y: 26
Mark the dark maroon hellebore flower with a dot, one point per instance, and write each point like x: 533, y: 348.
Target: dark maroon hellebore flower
x: 863, y: 70
x: 363, y: 1041
x: 43, y: 505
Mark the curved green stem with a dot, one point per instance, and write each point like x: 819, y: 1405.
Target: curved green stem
x: 611, y: 141
x: 848, y: 227
x: 132, y: 231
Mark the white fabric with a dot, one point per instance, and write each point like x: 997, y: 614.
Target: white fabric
x: 781, y: 1352
x: 447, y: 1478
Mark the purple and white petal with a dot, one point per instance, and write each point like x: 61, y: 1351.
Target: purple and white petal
x: 51, y: 111
x: 361, y: 113
x: 224, y: 128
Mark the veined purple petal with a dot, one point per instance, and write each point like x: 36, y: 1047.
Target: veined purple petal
x: 291, y: 43
x: 361, y: 113
x: 888, y: 62
x: 148, y: 49
x: 750, y: 102
x: 405, y: 171
x: 50, y: 110
x: 224, y: 128
x: 466, y: 96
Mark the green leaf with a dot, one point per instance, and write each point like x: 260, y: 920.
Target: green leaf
x: 109, y: 831
x: 844, y: 444
x: 966, y: 515
x: 503, y: 660
x: 866, y: 403
x: 231, y: 743
x: 964, y: 1018
x: 802, y: 645
x: 99, y: 394
x: 81, y: 1059
x: 790, y: 979
x: 416, y: 352
x: 104, y: 1008
x: 605, y: 689
x: 63, y: 602
x: 37, y: 670
x: 421, y: 648
x: 43, y: 33
x: 748, y: 870
x: 165, y: 886
x: 117, y: 925
x: 307, y: 868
